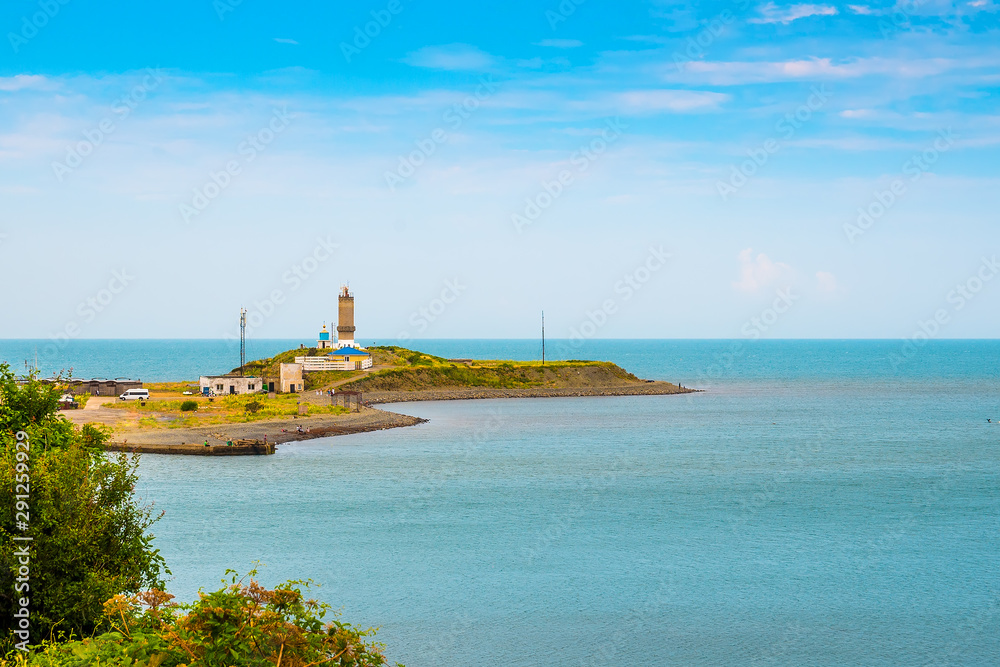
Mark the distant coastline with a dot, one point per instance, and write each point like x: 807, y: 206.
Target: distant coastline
x: 400, y: 375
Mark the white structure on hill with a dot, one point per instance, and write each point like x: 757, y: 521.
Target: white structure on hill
x: 345, y: 355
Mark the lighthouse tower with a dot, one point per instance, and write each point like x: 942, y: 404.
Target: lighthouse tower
x: 345, y: 318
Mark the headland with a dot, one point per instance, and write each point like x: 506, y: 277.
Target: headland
x: 179, y: 418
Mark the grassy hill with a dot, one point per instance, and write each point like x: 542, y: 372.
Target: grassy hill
x: 409, y: 370
x: 401, y: 369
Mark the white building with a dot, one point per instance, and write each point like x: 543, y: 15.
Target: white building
x: 344, y: 359
x: 228, y: 384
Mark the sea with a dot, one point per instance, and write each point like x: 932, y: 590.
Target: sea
x: 818, y: 503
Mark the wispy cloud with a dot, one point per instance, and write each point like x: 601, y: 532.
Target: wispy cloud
x: 772, y: 13
x: 760, y: 271
x: 560, y: 43
x: 743, y: 72
x: 285, y: 40
x: 657, y: 101
x: 826, y: 282
x: 450, y: 57
x: 864, y: 10
x: 17, y: 82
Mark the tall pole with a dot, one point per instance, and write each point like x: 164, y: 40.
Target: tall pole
x: 543, y: 338
x: 243, y: 339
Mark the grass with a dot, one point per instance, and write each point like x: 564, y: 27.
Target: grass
x: 406, y: 369
x: 412, y: 370
x: 172, y: 387
x: 222, y: 410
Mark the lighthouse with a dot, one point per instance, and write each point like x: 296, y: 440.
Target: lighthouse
x: 345, y: 318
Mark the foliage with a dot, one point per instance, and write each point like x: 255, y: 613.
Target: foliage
x: 90, y: 555
x: 189, y: 406
x: 242, y: 624
x: 89, y: 538
x: 23, y: 404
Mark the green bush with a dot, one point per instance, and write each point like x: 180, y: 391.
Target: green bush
x: 240, y: 625
x: 189, y: 406
x: 89, y: 539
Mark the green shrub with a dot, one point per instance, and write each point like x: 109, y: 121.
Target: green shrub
x: 241, y: 625
x: 189, y: 406
x: 89, y: 539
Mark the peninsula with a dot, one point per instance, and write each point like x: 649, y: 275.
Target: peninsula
x: 178, y: 418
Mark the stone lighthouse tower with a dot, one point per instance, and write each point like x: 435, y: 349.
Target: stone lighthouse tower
x: 345, y: 318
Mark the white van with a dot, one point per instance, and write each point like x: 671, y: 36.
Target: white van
x: 135, y: 395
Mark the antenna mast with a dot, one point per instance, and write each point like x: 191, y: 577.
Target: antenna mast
x: 243, y: 339
x: 543, y: 338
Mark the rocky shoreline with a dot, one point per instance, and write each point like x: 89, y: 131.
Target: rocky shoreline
x: 261, y: 437
x: 472, y: 393
x: 274, y: 432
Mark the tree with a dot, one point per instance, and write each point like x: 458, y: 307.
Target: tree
x: 89, y: 539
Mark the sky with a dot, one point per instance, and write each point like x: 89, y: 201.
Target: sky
x: 736, y: 169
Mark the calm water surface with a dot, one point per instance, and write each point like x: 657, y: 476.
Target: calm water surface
x: 822, y: 503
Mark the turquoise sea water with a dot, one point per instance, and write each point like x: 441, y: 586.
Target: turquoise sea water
x: 822, y: 503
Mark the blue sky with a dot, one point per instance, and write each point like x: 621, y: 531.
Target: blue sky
x: 638, y: 169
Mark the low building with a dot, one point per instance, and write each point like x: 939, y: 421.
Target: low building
x: 101, y: 387
x: 344, y: 359
x: 230, y: 384
x: 290, y: 378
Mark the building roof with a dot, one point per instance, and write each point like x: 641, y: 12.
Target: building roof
x: 348, y: 352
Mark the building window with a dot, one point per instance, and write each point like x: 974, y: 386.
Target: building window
x: 250, y: 387
x: 218, y: 387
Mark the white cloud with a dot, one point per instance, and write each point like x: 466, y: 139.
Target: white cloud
x: 744, y: 72
x: 284, y: 40
x: 826, y: 282
x: 760, y: 271
x: 17, y: 82
x: 450, y: 57
x: 560, y: 43
x: 864, y: 10
x: 771, y: 13
x: 657, y: 101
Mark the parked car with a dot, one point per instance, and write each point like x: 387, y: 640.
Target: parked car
x: 68, y: 402
x: 135, y: 395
